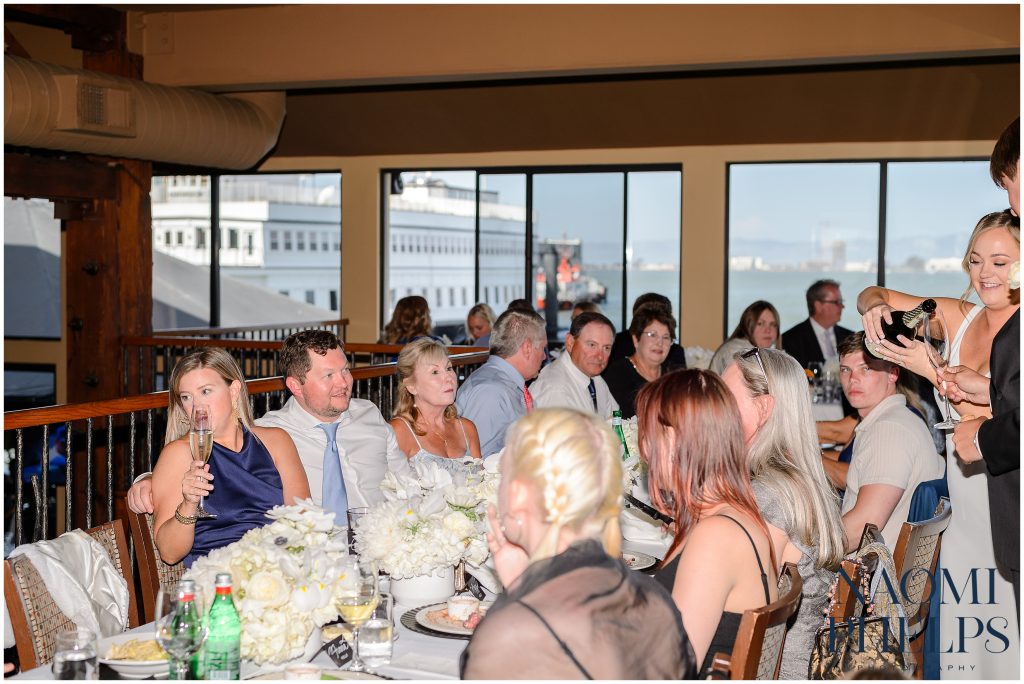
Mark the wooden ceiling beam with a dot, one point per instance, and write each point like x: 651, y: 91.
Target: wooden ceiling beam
x: 91, y: 27
x: 56, y: 178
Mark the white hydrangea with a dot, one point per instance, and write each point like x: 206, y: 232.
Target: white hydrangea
x: 431, y: 522
x: 284, y: 579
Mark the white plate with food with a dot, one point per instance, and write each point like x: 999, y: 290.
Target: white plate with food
x: 459, y: 615
x: 134, y: 657
x: 638, y: 561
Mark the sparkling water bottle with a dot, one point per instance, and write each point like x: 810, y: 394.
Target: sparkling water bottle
x: 221, y: 654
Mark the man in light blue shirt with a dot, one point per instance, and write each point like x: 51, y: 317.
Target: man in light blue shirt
x: 495, y: 395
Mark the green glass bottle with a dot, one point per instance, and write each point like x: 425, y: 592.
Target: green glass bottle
x: 187, y: 625
x: 617, y: 427
x: 221, y: 653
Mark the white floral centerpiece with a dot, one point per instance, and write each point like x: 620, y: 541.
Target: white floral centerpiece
x: 1015, y: 275
x: 284, y: 576
x: 634, y: 470
x: 430, y: 522
x: 699, y: 357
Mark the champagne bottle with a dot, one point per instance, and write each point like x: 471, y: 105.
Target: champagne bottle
x: 221, y: 652
x: 903, y: 323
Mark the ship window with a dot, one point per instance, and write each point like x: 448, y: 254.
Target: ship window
x: 287, y: 240
x: 274, y: 244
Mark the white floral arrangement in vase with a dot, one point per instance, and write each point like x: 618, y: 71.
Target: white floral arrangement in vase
x: 430, y: 522
x: 698, y: 357
x: 283, y: 579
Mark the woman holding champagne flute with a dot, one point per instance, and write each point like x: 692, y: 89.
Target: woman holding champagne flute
x: 968, y: 331
x: 255, y: 468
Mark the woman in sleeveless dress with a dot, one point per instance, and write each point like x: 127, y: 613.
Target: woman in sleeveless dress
x: 571, y: 609
x: 427, y: 425
x: 251, y: 470
x: 795, y: 498
x: 721, y: 561
x: 979, y: 629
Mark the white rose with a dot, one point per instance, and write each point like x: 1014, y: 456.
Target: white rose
x: 463, y: 497
x: 267, y: 588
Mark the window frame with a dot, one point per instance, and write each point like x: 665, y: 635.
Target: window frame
x: 386, y: 173
x: 883, y: 180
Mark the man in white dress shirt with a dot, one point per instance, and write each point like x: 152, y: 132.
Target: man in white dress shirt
x: 317, y: 374
x: 574, y: 379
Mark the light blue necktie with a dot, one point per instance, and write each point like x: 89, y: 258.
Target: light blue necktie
x: 335, y: 496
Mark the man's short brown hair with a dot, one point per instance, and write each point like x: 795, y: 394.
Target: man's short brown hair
x: 294, y: 361
x: 855, y: 343
x: 1005, y: 154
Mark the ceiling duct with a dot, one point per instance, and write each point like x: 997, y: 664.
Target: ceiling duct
x: 58, y: 108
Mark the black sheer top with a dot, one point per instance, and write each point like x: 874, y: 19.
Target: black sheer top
x: 581, y: 615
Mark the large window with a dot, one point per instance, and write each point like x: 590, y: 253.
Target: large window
x: 792, y: 224
x: 264, y: 222
x: 32, y: 301
x: 550, y: 236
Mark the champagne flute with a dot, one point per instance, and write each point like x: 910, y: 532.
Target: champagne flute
x: 940, y: 359
x: 179, y: 630
x: 200, y: 440
x: 356, y: 599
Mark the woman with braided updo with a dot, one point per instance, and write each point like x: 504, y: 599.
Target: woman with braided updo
x: 570, y: 606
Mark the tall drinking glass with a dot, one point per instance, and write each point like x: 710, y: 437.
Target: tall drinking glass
x: 74, y: 655
x: 375, y: 636
x: 354, y: 516
x: 357, y: 597
x: 200, y: 440
x: 180, y: 632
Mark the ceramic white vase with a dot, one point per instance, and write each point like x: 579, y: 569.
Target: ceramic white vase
x: 313, y: 645
x: 423, y: 590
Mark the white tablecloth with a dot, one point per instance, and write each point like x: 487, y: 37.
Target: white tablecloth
x: 416, y: 656
x: 831, y: 411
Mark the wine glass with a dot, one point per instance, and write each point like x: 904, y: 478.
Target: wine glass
x: 356, y: 598
x: 939, y: 358
x: 200, y: 440
x: 179, y: 630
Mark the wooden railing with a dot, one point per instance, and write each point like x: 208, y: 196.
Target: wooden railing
x: 277, y: 331
x: 148, y: 361
x: 105, y: 444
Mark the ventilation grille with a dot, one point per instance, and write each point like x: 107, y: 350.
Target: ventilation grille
x: 93, y: 107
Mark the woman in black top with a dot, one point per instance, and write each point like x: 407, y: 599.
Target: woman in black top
x: 720, y: 562
x: 653, y: 330
x: 571, y: 608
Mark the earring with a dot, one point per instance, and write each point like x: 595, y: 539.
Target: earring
x: 238, y: 414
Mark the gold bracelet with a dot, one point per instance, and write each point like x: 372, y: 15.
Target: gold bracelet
x: 183, y: 519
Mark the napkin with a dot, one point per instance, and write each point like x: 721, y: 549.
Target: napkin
x: 637, y: 526
x: 486, y: 575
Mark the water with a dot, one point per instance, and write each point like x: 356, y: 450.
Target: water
x: 784, y: 289
x: 375, y: 645
x: 75, y: 665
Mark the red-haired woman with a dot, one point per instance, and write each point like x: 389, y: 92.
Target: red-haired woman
x: 721, y: 561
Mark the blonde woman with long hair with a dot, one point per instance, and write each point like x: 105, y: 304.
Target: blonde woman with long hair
x: 251, y: 469
x: 793, y: 494
x: 571, y: 608
x: 426, y: 422
x: 967, y: 543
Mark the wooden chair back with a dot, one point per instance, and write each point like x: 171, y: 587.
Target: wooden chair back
x: 112, y: 538
x: 153, y: 572
x: 757, y: 653
x: 915, y: 557
x: 35, y: 617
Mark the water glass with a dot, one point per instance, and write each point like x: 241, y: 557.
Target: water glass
x: 377, y: 634
x: 74, y: 655
x: 354, y: 516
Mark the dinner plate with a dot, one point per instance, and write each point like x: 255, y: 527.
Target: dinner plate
x: 638, y: 561
x: 131, y: 669
x: 423, y: 619
x: 324, y: 674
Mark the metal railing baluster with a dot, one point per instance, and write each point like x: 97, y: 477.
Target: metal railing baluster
x: 19, y: 457
x: 44, y: 478
x: 110, y: 467
x: 68, y: 489
x: 88, y: 473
